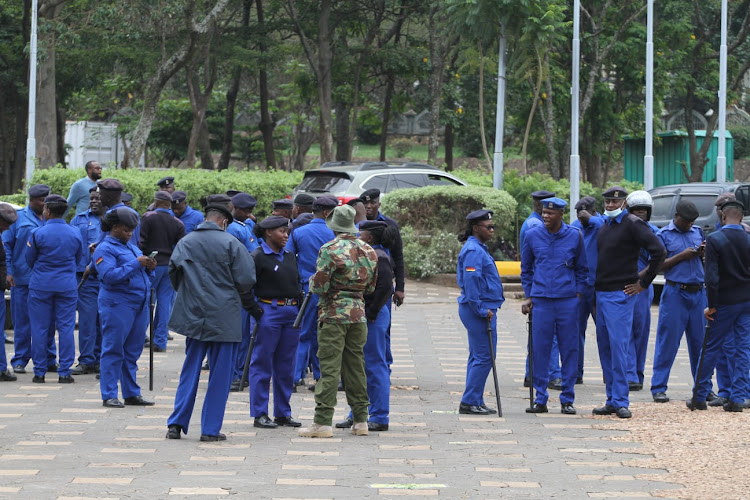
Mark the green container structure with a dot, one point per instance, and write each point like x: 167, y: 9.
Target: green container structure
x: 671, y: 154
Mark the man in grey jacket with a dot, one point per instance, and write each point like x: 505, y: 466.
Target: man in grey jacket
x: 213, y: 274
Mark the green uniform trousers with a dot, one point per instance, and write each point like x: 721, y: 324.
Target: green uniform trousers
x: 340, y: 354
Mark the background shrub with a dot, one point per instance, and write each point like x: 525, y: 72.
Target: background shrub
x: 426, y: 255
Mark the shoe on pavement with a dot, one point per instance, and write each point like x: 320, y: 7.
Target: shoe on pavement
x: 635, y: 386
x: 623, y: 412
x: 555, y: 384
x: 174, y: 431
x: 138, y: 401
x: 491, y: 411
x: 360, y: 429
x: 316, y: 430
x: 731, y: 406
x: 299, y: 382
x: 53, y: 368
x: 711, y: 396
x: 287, y: 422
x: 211, y: 438
x: 311, y: 387
x: 170, y: 337
x: 7, y: 376
x: 236, y: 385
x: 113, y: 403
x: 568, y: 409
x: 37, y: 379
x: 345, y: 424
x: 19, y: 369
x: 465, y: 409
x: 205, y: 366
x: 8, y: 340
x: 159, y: 349
x: 696, y: 405
x: 82, y: 369
x: 661, y: 397
x: 377, y: 427
x: 263, y: 422
x: 717, y: 401
x: 537, y: 408
x: 526, y: 382
x: 579, y: 381
x: 65, y: 380
x: 604, y: 410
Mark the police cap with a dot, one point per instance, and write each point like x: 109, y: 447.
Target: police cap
x: 121, y: 215
x: 244, y: 201
x: 687, y: 210
x: 166, y: 181
x: 38, y: 191
x: 232, y: 192
x: 540, y: 195
x: 369, y: 225
x: 554, y: 203
x: 110, y: 185
x: 179, y: 196
x: 370, y: 195
x: 221, y: 208
x: 723, y: 198
x: 479, y: 215
x: 126, y: 197
x: 55, y: 199
x: 213, y: 199
x: 325, y: 202
x: 8, y: 213
x: 273, y: 222
x: 585, y: 203
x: 304, y: 200
x: 733, y: 203
x: 615, y: 192
x: 283, y: 204
x: 162, y: 196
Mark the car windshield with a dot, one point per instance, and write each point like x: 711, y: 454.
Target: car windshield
x: 662, y: 207
x: 324, y: 182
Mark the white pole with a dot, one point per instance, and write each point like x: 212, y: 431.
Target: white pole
x: 497, y: 160
x: 648, y: 160
x: 30, y: 138
x: 721, y: 160
x: 575, y: 160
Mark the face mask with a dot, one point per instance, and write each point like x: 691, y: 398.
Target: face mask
x: 612, y: 214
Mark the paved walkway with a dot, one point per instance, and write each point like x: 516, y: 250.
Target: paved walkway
x: 57, y: 441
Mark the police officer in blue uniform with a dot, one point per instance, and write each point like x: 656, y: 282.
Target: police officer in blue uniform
x: 53, y: 253
x: 89, y: 327
x: 111, y: 191
x: 277, y: 290
x: 683, y: 299
x: 14, y: 241
x: 190, y: 217
x: 588, y: 223
x: 282, y: 208
x: 305, y: 243
x: 481, y: 297
x: 302, y: 211
x: 8, y: 216
x: 125, y: 282
x: 639, y: 203
x: 617, y: 283
x: 553, y: 275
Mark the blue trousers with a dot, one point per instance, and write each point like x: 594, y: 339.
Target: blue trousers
x: 728, y: 335
x: 241, y: 352
x: 554, y: 360
x: 555, y: 318
x: 89, y: 326
x: 641, y: 329
x: 3, y: 358
x: 273, y: 358
x: 479, y: 364
x: 586, y: 308
x: 220, y: 355
x: 164, y: 299
x: 19, y: 310
x: 679, y: 311
x: 307, y: 349
x: 376, y: 366
x: 123, y: 327
x: 615, y: 313
x: 57, y: 309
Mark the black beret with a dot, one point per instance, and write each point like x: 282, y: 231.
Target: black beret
x: 370, y: 195
x: 126, y: 197
x: 478, y: 215
x: 723, y: 198
x: 179, y: 196
x: 221, y: 208
x: 166, y: 181
x: 325, y: 202
x: 8, y: 213
x: 369, y: 225
x: 213, y: 199
x: 163, y: 196
x: 283, y: 204
x: 540, y: 195
x: 244, y: 201
x: 585, y: 202
x: 110, y: 185
x: 687, y: 210
x: 304, y: 200
x: 232, y: 192
x: 615, y: 192
x: 354, y: 202
x: 121, y: 215
x: 55, y: 199
x: 273, y: 222
x: 38, y: 191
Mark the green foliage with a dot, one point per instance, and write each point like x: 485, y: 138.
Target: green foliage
x: 741, y: 137
x: 265, y: 186
x: 426, y: 255
x: 402, y: 146
x: 16, y: 199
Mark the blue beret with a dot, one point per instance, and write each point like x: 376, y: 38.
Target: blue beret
x: 369, y: 225
x: 110, y: 185
x: 218, y: 198
x: 244, y: 201
x: 303, y: 200
x: 615, y: 192
x: 283, y: 204
x: 38, y: 191
x: 179, y: 196
x: 162, y: 196
x: 540, y: 195
x: 478, y: 215
x: 55, y: 198
x: 370, y: 194
x: 325, y: 202
x: 232, y: 192
x: 585, y: 202
x: 166, y: 181
x: 273, y: 222
x: 554, y: 203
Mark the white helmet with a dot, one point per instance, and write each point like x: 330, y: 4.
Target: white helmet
x: 640, y: 199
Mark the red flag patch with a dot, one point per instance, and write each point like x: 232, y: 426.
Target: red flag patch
x: 99, y: 260
x: 471, y: 269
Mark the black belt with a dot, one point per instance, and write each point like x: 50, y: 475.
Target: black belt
x: 688, y: 287
x: 281, y: 302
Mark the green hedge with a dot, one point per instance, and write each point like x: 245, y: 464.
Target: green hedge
x: 265, y: 186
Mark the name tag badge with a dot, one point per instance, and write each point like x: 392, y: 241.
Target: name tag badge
x: 276, y: 268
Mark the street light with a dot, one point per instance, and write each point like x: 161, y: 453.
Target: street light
x: 30, y: 137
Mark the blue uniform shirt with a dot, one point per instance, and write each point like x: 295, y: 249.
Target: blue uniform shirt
x: 53, y: 252
x: 305, y: 241
x: 589, y: 242
x: 675, y: 241
x: 191, y: 218
x: 478, y: 278
x: 135, y: 239
x: 121, y: 276
x: 14, y: 240
x: 553, y: 265
x: 239, y: 230
x: 90, y: 226
x: 643, y: 256
x: 533, y: 220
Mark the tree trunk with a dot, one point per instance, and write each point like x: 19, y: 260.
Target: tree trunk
x: 342, y: 131
x: 391, y: 80
x: 437, y: 63
x: 46, y: 99
x: 324, y: 82
x: 198, y: 114
x: 548, y: 124
x: 448, y: 139
x: 60, y: 116
x: 266, y: 122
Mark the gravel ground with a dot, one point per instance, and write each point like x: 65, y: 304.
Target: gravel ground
x: 705, y: 451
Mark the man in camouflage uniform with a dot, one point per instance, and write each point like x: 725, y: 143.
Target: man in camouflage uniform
x: 346, y: 270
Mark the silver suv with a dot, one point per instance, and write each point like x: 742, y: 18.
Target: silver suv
x: 348, y: 180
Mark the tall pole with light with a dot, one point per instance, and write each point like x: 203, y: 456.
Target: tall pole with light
x: 575, y: 160
x: 30, y: 137
x: 648, y: 159
x: 721, y: 159
x: 497, y: 159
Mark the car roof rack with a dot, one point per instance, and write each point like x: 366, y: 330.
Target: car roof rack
x: 377, y: 165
